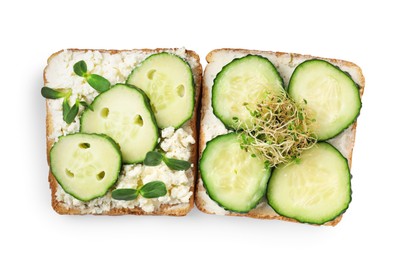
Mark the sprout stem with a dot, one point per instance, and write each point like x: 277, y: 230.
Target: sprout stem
x: 281, y: 129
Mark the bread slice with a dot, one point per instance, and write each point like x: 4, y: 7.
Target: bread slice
x: 211, y: 126
x: 114, y: 65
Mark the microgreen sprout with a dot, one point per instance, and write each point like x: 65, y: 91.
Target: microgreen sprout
x: 280, y: 129
x: 96, y: 81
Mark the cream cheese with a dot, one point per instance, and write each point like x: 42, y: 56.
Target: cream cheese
x: 176, y: 143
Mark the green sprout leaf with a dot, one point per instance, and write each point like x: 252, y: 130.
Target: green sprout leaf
x: 150, y: 190
x: 176, y: 165
x: 66, y: 108
x: 153, y: 158
x: 98, y: 82
x: 300, y: 116
x: 153, y: 189
x: 51, y: 93
x: 86, y: 105
x: 125, y: 194
x: 72, y: 113
x: 80, y: 68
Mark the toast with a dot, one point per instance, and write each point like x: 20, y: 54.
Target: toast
x: 211, y: 126
x: 116, y: 65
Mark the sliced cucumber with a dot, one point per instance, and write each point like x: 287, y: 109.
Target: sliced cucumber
x: 243, y: 81
x: 168, y: 81
x: 233, y: 177
x: 123, y: 113
x: 331, y: 95
x: 85, y: 165
x: 314, y: 190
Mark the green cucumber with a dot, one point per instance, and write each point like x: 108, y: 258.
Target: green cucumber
x: 85, y: 165
x: 330, y: 93
x: 233, y: 177
x: 240, y: 86
x: 315, y: 189
x: 123, y: 113
x: 168, y: 81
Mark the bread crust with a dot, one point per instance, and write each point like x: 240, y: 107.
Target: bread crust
x: 260, y: 213
x: 164, y: 209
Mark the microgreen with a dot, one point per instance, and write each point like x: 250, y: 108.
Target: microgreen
x: 153, y: 189
x: 175, y: 164
x: 66, y: 108
x: 154, y: 158
x: 99, y: 83
x: 280, y: 129
x: 125, y: 194
x: 86, y: 105
x: 96, y: 81
x: 51, y: 93
x: 69, y: 112
x: 80, y: 68
x: 72, y: 112
x: 149, y: 190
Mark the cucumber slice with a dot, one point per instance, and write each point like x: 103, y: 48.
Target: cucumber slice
x: 123, y: 113
x: 85, y: 165
x: 315, y: 190
x: 168, y: 81
x: 233, y: 177
x: 243, y: 80
x: 331, y: 95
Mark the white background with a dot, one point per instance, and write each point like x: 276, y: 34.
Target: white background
x: 365, y: 33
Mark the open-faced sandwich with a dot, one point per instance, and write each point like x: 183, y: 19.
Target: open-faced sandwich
x: 121, y: 130
x: 276, y: 135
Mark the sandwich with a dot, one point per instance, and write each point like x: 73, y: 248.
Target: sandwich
x: 121, y: 130
x: 276, y: 137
